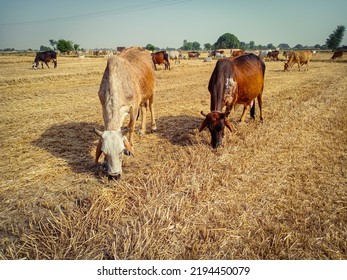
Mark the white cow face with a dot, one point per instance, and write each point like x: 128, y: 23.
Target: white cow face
x: 113, y: 144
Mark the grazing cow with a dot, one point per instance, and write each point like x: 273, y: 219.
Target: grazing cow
x: 234, y: 81
x: 159, y: 58
x: 216, y: 53
x: 45, y: 57
x: 337, y: 54
x: 126, y: 87
x: 262, y: 54
x: 193, y: 54
x: 176, y: 56
x: 286, y: 54
x: 273, y: 55
x: 301, y: 58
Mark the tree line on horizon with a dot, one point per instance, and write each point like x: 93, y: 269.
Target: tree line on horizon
x: 225, y: 41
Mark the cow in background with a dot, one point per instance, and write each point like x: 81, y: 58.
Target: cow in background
x: 273, y: 55
x: 301, y: 58
x: 159, y: 58
x: 176, y: 56
x: 193, y: 54
x: 127, y: 86
x: 234, y: 81
x: 337, y: 54
x: 45, y: 57
x: 237, y: 52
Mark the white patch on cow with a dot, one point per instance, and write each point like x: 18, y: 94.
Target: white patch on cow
x: 113, y: 147
x: 230, y: 86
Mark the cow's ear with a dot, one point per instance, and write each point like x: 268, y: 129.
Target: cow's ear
x: 98, y: 152
x: 228, y: 124
x: 203, y: 125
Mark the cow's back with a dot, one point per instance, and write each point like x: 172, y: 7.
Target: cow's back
x: 127, y: 82
x: 249, y: 72
x: 141, y: 65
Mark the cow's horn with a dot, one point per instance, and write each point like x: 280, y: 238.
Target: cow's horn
x: 98, y: 132
x: 202, y: 113
x: 128, y: 146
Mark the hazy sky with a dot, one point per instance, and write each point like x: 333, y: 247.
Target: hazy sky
x: 109, y: 23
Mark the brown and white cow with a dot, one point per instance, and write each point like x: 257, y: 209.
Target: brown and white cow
x: 193, y: 54
x: 159, y: 58
x: 127, y: 86
x: 301, y: 58
x: 337, y: 54
x: 234, y: 81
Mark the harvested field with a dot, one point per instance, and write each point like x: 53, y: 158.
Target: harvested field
x: 275, y: 190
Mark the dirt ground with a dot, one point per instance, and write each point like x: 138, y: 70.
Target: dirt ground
x: 275, y: 190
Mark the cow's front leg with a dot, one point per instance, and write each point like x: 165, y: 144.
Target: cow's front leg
x: 131, y: 126
x: 143, y: 109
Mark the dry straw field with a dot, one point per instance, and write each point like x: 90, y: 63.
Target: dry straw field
x: 275, y: 190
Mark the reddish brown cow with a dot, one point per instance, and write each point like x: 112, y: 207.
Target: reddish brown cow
x: 234, y: 81
x: 193, y: 54
x: 159, y: 58
x: 273, y: 55
x: 337, y: 54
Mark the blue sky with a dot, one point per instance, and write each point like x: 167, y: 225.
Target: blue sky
x: 109, y: 23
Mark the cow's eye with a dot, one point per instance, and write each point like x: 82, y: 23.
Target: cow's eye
x: 126, y: 152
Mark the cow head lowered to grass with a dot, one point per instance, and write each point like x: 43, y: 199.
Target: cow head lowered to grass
x: 233, y: 81
x: 215, y: 122
x: 127, y: 87
x: 113, y: 144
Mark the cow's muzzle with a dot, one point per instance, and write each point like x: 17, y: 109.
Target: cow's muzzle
x: 113, y: 177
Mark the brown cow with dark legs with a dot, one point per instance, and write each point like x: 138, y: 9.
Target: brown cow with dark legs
x: 301, y: 58
x: 159, y: 58
x: 234, y: 81
x: 337, y: 54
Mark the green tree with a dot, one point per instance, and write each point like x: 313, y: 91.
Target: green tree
x: 283, y: 46
x: 44, y: 48
x: 207, y: 46
x: 150, y: 47
x: 64, y: 45
x: 53, y: 43
x: 271, y: 46
x: 76, y: 47
x: 335, y: 38
x: 299, y: 47
x: 196, y: 46
x: 227, y: 41
x: 251, y: 45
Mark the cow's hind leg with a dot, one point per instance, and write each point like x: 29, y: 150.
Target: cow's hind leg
x: 252, y: 111
x: 260, y: 104
x: 151, y: 109
x: 143, y: 108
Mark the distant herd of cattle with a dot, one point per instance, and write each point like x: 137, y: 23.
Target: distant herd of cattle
x: 128, y: 86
